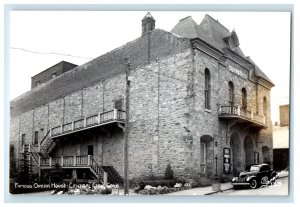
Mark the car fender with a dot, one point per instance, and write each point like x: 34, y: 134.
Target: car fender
x: 250, y: 178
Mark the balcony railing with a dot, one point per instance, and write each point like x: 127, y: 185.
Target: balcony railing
x: 66, y: 161
x: 228, y: 112
x: 93, y: 120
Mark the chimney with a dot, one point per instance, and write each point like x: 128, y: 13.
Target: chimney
x: 148, y: 24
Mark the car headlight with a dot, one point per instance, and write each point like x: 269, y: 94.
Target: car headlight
x: 248, y: 178
x: 234, y: 179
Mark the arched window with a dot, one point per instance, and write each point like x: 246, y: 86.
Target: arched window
x: 244, y: 98
x: 231, y: 93
x: 265, y: 105
x: 207, y: 89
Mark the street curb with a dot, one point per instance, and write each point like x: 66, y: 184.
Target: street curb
x: 210, y: 193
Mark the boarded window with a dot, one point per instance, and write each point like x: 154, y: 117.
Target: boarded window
x: 119, y: 104
x: 36, y: 138
x: 22, y: 139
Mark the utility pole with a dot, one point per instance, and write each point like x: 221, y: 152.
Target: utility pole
x: 126, y: 181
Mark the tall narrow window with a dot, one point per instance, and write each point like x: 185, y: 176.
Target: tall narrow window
x: 36, y: 138
x: 207, y: 89
x: 265, y: 106
x: 244, y: 99
x: 231, y: 93
x: 22, y: 139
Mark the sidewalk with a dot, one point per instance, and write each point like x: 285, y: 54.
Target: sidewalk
x: 202, y: 190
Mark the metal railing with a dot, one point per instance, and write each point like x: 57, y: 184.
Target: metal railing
x: 237, y: 111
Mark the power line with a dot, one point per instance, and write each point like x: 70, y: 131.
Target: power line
x: 48, y: 53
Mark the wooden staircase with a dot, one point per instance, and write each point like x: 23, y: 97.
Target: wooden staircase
x: 42, y: 160
x: 47, y: 145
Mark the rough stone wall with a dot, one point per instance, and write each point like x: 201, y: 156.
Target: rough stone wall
x: 92, y: 100
x: 40, y: 123
x: 56, y: 112
x: 112, y: 147
x: 15, y: 135
x: 203, y: 121
x: 206, y: 122
x: 157, y: 120
x: 265, y: 135
x: 156, y: 44
x: 26, y: 126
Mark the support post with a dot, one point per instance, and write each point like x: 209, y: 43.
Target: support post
x: 89, y: 160
x: 238, y: 110
x: 75, y: 160
x: 62, y: 161
x: 39, y: 161
x: 84, y: 122
x: 105, y: 178
x: 50, y: 161
x: 99, y: 118
x: 115, y: 114
x: 72, y: 125
x: 126, y: 181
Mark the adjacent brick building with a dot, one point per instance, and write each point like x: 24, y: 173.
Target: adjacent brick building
x: 195, y: 99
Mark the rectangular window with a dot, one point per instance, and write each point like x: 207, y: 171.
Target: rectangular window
x: 22, y: 139
x: 119, y: 104
x: 36, y: 138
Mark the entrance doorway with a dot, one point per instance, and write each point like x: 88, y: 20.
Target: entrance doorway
x: 249, y: 151
x: 236, y: 155
x: 91, y: 150
x: 203, y: 157
x: 206, y: 153
x: 266, y: 154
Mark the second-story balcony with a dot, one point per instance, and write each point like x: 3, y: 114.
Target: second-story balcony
x: 242, y: 115
x: 100, y: 119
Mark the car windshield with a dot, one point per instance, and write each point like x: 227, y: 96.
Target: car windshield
x: 254, y: 168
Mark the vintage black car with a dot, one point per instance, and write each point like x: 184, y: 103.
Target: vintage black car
x: 256, y: 176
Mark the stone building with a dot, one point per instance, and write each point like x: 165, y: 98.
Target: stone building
x: 196, y: 103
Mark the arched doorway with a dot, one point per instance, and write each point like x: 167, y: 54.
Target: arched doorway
x: 249, y: 151
x: 236, y: 155
x: 266, y: 154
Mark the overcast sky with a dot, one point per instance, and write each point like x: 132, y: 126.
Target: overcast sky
x: 264, y: 36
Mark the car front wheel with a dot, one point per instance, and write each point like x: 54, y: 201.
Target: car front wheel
x: 253, y: 184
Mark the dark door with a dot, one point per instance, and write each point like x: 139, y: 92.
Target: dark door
x: 90, y: 150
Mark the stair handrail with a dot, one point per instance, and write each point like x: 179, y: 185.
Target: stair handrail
x: 101, y: 170
x: 33, y: 151
x: 94, y: 163
x: 41, y: 142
